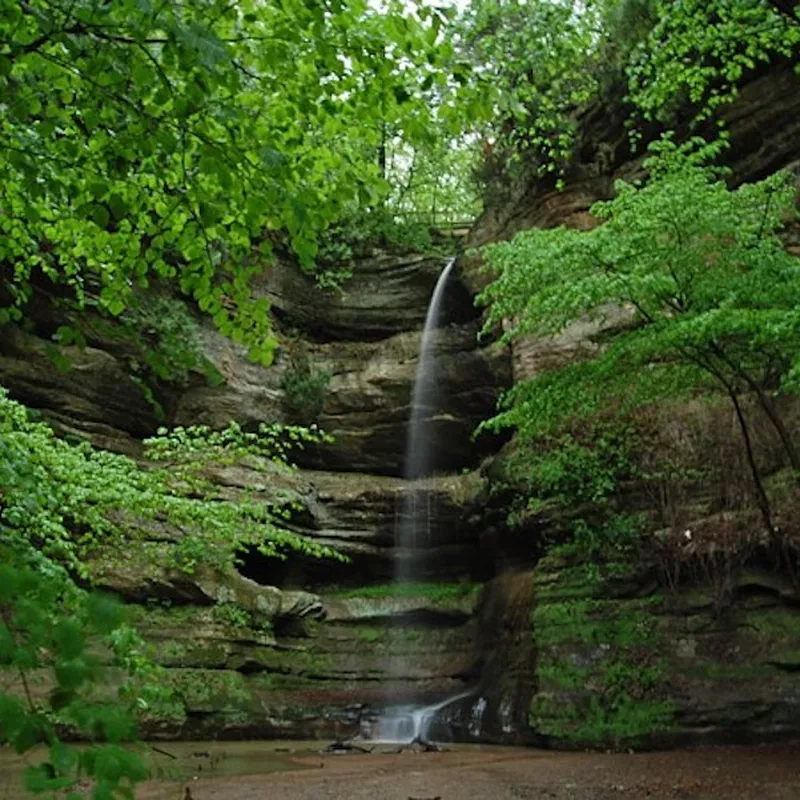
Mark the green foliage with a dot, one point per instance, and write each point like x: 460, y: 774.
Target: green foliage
x: 167, y: 141
x: 190, y: 449
x: 527, y: 70
x: 210, y: 689
x: 156, y: 338
x: 304, y: 388
x: 628, y: 23
x: 698, y: 269
x: 605, y: 719
x: 167, y: 339
x: 696, y: 281
x: 370, y: 634
x: 230, y: 613
x: 573, y: 467
x: 360, y: 233
x: 698, y: 51
x: 45, y: 625
x: 579, y: 471
x: 432, y: 185
x: 233, y: 614
x: 62, y: 502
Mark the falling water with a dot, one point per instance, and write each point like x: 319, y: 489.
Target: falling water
x: 414, y: 518
x: 411, y: 724
x: 407, y: 723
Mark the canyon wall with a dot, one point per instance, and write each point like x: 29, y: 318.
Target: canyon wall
x: 696, y: 638
x: 304, y: 647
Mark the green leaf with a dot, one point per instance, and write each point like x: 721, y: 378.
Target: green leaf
x: 119, y: 207
x: 100, y: 215
x: 105, y: 613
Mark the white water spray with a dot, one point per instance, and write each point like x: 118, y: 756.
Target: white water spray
x: 410, y: 724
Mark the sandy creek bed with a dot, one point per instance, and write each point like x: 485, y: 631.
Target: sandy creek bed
x: 298, y: 771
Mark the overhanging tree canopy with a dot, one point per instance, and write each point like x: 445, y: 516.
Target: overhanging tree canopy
x: 143, y: 139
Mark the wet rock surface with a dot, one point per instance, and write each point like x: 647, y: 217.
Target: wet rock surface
x: 387, y: 294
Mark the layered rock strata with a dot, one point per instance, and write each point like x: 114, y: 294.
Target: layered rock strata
x: 305, y: 647
x: 698, y: 639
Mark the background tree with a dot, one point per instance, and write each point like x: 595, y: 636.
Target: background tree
x: 709, y: 286
x: 526, y: 70
x: 433, y: 184
x: 698, y: 52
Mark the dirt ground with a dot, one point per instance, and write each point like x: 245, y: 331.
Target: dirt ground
x: 739, y: 773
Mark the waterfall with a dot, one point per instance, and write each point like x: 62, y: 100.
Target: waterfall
x: 414, y: 516
x: 406, y: 723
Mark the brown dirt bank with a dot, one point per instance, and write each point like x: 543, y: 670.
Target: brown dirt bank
x: 740, y: 773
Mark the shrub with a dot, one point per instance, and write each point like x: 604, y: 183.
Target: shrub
x: 304, y: 389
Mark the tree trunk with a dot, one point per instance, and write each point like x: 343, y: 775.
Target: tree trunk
x: 382, y: 165
x: 766, y: 403
x: 781, y: 430
x: 761, y: 495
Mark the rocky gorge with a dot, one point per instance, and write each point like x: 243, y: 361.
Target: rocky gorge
x: 299, y: 648
x: 305, y: 648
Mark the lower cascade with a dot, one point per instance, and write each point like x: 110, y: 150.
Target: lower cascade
x: 407, y: 724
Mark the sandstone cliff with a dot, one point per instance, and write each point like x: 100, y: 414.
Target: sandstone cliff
x: 698, y: 640
x: 306, y: 648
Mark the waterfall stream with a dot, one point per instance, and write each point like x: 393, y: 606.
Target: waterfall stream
x: 407, y: 724
x: 404, y: 724
x: 413, y: 522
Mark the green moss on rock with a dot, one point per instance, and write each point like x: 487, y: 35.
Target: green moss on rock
x: 601, y: 680
x: 436, y: 592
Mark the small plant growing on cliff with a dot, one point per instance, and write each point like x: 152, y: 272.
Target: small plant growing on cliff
x: 305, y: 388
x: 86, y: 502
x: 233, y: 614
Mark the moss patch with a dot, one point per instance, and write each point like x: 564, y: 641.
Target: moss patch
x: 600, y: 680
x: 437, y: 592
x: 371, y: 634
x: 209, y: 690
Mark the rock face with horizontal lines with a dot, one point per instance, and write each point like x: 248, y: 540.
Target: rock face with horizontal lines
x: 367, y: 401
x: 692, y: 640
x: 306, y: 647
